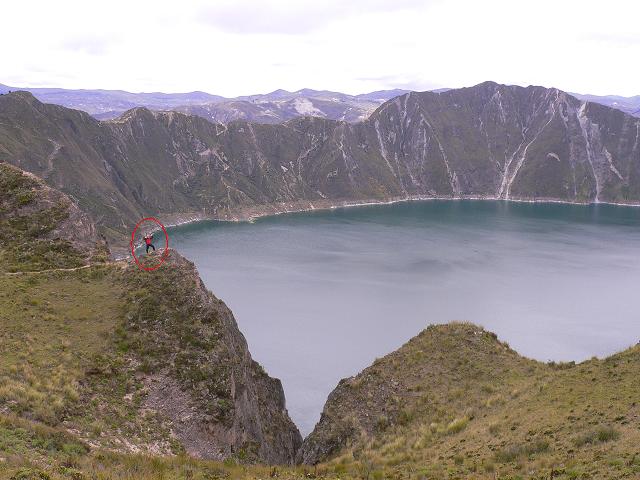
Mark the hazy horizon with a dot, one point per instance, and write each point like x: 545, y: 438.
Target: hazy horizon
x: 612, y: 94
x: 243, y: 47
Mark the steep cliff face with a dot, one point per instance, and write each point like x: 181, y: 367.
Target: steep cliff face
x: 197, y: 371
x: 509, y: 142
x: 122, y: 358
x: 490, y: 141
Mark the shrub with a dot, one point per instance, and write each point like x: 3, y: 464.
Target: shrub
x: 601, y: 434
x: 511, y: 453
x: 382, y: 423
x: 457, y: 425
x: 405, y: 417
x: 30, y: 474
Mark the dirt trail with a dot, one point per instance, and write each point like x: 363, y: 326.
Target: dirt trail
x: 122, y: 263
x: 118, y: 263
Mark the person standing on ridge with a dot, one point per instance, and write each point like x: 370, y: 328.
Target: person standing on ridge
x: 147, y: 239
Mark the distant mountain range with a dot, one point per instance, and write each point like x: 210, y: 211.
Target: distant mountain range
x: 103, y: 104
x: 488, y: 141
x: 630, y: 105
x: 280, y: 106
x: 275, y: 107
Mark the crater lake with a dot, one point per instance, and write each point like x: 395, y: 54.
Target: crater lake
x: 319, y: 295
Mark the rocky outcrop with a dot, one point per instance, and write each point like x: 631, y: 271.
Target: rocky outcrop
x: 487, y: 141
x: 198, y: 373
x: 34, y: 217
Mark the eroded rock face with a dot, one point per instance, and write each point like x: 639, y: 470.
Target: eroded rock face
x: 488, y: 141
x: 510, y: 142
x: 199, y: 375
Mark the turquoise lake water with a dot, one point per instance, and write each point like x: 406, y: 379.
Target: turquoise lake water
x: 320, y: 295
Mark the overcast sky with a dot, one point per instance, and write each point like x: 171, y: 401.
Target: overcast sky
x: 238, y: 47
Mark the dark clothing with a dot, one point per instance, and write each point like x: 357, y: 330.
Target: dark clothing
x: 147, y: 240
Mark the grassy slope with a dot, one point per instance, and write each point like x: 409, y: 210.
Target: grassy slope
x: 512, y: 419
x: 465, y: 406
x: 454, y: 402
x: 29, y: 215
x: 77, y: 345
x: 57, y: 326
x: 50, y: 332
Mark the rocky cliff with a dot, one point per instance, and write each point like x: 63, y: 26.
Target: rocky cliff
x: 124, y: 359
x: 488, y: 141
x: 511, y: 143
x: 197, y: 371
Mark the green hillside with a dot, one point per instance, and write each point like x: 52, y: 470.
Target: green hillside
x: 455, y: 402
x: 487, y: 141
x: 40, y: 228
x: 108, y: 371
x: 91, y: 348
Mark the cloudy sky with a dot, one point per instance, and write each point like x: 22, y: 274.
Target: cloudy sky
x: 238, y: 47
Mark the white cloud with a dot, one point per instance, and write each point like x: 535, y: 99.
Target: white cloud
x: 286, y: 17
x: 90, y: 43
x: 249, y: 46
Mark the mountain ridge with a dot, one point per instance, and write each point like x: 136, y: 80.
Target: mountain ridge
x: 273, y: 107
x: 456, y: 401
x: 488, y: 141
x: 630, y: 105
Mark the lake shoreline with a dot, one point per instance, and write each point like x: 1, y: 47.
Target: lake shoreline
x: 251, y: 213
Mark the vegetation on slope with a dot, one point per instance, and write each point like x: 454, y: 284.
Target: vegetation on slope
x: 124, y: 359
x: 455, y: 402
x: 137, y: 362
x: 32, y: 451
x: 108, y: 371
x: 452, y: 403
x: 40, y: 228
x: 53, y: 325
x: 440, y: 378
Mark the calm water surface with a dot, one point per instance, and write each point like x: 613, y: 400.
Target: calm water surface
x: 320, y: 295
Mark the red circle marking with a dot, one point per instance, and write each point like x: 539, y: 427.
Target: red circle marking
x: 166, y: 244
